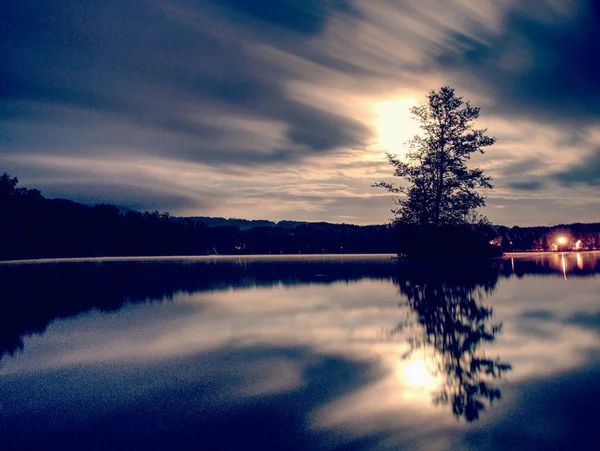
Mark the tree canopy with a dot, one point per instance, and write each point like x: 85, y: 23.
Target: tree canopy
x: 440, y: 188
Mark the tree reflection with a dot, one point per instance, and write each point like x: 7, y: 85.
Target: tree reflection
x: 34, y: 295
x: 453, y: 323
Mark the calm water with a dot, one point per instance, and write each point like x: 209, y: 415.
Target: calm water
x: 306, y: 353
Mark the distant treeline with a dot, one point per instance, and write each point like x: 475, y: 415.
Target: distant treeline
x: 32, y: 226
x: 245, y: 224
x: 543, y: 238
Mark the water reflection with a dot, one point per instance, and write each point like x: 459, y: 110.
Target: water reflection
x: 565, y: 264
x: 453, y: 322
x: 34, y: 295
x: 289, y: 353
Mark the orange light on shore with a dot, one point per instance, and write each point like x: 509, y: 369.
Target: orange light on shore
x: 562, y: 240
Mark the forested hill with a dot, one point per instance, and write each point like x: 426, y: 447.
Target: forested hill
x: 32, y: 226
x: 245, y: 224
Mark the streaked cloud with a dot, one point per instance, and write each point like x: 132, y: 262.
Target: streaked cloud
x: 210, y: 107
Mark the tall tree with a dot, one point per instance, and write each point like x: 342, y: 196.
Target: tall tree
x: 441, y: 189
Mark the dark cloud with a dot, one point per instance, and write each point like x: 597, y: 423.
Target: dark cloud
x: 589, y: 321
x: 125, y: 196
x: 536, y: 66
x: 140, y: 63
x: 531, y: 185
x: 587, y: 172
x: 321, y: 130
x: 303, y: 16
x: 538, y: 314
x: 522, y: 166
x: 517, y: 175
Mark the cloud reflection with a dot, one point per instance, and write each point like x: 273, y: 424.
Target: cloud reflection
x: 256, y: 312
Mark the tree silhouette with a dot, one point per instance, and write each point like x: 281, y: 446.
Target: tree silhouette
x: 441, y: 190
x: 453, y: 323
x: 545, y: 243
x: 33, y: 226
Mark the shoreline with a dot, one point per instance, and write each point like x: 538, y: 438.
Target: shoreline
x: 186, y: 257
x: 258, y: 257
x: 521, y: 253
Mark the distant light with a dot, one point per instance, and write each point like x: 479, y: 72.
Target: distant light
x: 578, y: 245
x: 562, y: 240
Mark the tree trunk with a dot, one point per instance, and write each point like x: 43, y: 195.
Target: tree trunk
x: 440, y: 184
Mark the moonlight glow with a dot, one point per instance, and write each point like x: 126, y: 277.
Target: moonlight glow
x: 416, y: 375
x: 395, y: 124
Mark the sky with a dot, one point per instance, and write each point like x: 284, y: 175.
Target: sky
x: 284, y: 109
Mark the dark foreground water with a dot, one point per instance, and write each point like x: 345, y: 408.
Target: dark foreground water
x: 307, y: 353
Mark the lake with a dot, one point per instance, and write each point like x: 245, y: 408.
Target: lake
x: 310, y: 352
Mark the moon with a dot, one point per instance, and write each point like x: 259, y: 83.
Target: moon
x: 395, y: 125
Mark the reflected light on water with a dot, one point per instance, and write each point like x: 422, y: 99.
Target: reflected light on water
x: 417, y: 379
x: 572, y: 263
x: 416, y: 374
x: 281, y: 344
